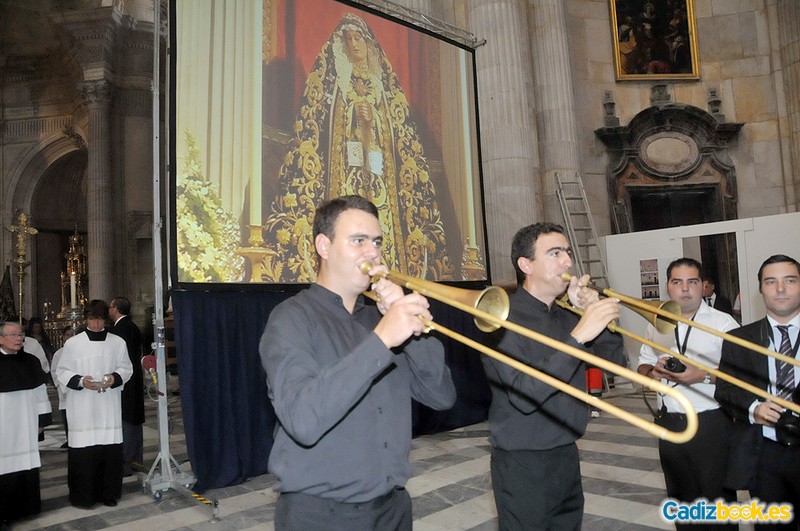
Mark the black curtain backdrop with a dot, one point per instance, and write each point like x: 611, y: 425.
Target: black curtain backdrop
x: 228, y: 418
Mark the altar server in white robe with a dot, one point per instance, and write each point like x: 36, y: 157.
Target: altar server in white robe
x: 24, y: 408
x: 32, y: 346
x: 94, y: 366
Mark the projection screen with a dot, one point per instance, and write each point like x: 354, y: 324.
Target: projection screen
x: 280, y: 105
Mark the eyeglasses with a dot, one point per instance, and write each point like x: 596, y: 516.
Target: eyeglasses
x: 13, y: 335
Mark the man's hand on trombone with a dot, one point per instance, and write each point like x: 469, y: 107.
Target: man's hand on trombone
x: 403, y: 315
x: 595, y: 319
x: 580, y: 295
x: 387, y: 291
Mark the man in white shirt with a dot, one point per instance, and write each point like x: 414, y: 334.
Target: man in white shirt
x: 695, y: 469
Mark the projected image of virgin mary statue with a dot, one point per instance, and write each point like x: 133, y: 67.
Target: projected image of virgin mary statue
x: 353, y: 135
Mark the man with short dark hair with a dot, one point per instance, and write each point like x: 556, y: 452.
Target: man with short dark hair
x: 766, y: 460
x: 695, y: 469
x: 535, y: 465
x: 341, y: 374
x: 714, y: 299
x: 24, y: 408
x: 133, y: 393
x: 93, y: 368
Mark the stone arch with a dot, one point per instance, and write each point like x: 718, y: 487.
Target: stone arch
x: 47, y: 183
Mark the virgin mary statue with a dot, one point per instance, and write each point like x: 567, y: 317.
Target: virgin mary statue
x: 353, y: 135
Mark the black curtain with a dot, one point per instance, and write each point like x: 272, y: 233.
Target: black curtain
x: 228, y: 418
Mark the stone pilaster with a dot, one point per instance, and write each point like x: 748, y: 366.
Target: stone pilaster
x: 97, y: 98
x: 553, y: 92
x: 508, y: 135
x: 789, y: 23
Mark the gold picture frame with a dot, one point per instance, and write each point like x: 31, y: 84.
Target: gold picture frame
x: 654, y: 39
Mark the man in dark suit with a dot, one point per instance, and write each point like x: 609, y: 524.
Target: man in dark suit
x: 762, y: 460
x: 133, y: 392
x: 715, y: 300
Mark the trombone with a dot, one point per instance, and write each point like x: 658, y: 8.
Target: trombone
x: 662, y: 314
x: 490, y: 309
x: 664, y: 319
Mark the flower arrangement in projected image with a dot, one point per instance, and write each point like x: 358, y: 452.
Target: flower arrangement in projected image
x: 208, y: 234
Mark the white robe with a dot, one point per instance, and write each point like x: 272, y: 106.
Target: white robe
x: 19, y: 428
x: 62, y: 390
x: 94, y: 418
x: 31, y: 346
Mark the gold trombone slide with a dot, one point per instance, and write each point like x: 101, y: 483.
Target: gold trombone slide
x: 700, y: 365
x: 639, y: 304
x: 476, y: 304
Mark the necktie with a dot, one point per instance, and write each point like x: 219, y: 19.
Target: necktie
x: 785, y: 374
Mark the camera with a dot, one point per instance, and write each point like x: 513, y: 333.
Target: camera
x: 674, y: 365
x: 787, y: 429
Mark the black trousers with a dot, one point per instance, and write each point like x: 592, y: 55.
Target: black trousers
x: 19, y: 495
x: 538, y: 489
x: 301, y: 512
x: 778, y: 479
x: 132, y: 446
x: 696, y: 469
x: 94, y: 474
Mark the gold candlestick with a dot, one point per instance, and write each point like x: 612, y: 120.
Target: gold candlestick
x: 22, y: 230
x: 255, y: 253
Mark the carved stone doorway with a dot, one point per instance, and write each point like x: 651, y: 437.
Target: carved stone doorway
x: 667, y: 207
x: 670, y: 167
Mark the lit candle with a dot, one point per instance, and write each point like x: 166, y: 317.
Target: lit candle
x: 255, y: 198
x: 72, y: 290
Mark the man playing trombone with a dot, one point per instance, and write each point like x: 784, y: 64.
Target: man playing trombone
x: 535, y: 465
x: 341, y: 375
x: 695, y: 469
x: 766, y: 454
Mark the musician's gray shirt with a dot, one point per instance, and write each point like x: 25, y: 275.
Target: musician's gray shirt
x: 526, y: 413
x: 343, y: 399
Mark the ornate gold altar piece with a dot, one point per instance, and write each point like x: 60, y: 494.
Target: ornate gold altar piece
x: 74, y: 284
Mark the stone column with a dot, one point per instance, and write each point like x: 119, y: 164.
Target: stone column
x: 96, y: 96
x: 788, y: 12
x: 508, y: 135
x: 553, y: 92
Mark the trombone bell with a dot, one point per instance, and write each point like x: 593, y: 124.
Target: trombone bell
x: 492, y: 300
x: 663, y: 325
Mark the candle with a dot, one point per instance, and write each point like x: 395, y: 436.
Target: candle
x: 72, y: 290
x: 255, y: 200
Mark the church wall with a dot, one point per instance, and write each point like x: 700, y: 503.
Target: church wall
x: 134, y: 172
x: 737, y: 46
x: 741, y: 50
x: 593, y: 73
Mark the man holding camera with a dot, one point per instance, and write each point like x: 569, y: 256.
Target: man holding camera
x: 695, y: 469
x: 766, y: 442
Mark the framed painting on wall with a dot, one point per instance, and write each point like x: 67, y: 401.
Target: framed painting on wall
x: 654, y: 39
